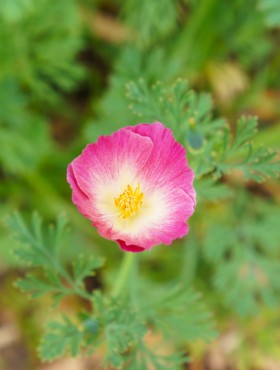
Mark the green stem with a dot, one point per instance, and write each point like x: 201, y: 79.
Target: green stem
x: 123, y: 280
x: 68, y: 278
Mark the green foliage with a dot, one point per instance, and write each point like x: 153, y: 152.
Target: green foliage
x: 41, y: 247
x: 19, y: 129
x: 271, y: 10
x: 37, y: 51
x: 122, y: 329
x: 85, y: 266
x: 41, y: 58
x: 209, y: 190
x: 62, y: 337
x: 36, y: 246
x: 145, y: 357
x: 11, y: 11
x: 159, y: 18
x: 113, y: 109
x: 115, y: 323
x: 213, y: 150
x: 256, y: 163
x: 175, y: 312
x: 36, y: 288
x: 245, y: 255
x: 231, y: 254
x: 172, y: 313
x: 202, y: 39
x: 177, y: 106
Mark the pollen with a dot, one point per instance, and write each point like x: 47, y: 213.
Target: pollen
x: 130, y: 201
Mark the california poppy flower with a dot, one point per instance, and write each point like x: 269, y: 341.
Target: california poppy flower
x: 135, y: 186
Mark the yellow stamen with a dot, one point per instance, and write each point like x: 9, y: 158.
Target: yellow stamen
x: 130, y: 201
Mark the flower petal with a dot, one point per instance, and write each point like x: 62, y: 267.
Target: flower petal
x: 102, y: 172
x: 146, y: 155
x: 167, y: 163
x: 129, y: 248
x: 79, y: 198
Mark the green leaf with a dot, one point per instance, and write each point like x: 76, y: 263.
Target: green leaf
x: 123, y: 328
x: 159, y: 18
x: 144, y: 356
x: 85, y: 266
x: 28, y: 249
x: 36, y: 244
x: 37, y: 287
x: 244, y: 256
x: 61, y: 338
x: 178, y: 313
x: 210, y: 144
x: 51, y: 28
x: 252, y: 277
x: 239, y: 153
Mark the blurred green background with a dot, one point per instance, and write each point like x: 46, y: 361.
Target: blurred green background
x: 64, y: 71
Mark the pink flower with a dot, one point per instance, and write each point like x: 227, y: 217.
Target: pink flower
x: 135, y: 186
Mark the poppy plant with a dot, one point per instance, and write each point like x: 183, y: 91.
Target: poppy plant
x: 135, y: 186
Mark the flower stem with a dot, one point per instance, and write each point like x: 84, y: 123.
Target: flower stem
x: 125, y: 272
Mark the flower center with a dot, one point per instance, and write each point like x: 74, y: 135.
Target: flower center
x: 130, y: 201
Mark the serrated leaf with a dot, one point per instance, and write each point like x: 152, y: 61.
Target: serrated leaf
x: 123, y: 328
x: 85, y: 266
x: 256, y: 163
x: 179, y: 314
x: 61, y: 337
x: 35, y: 249
x: 37, y: 287
x: 251, y: 277
x: 245, y: 257
x: 34, y: 245
x: 246, y: 129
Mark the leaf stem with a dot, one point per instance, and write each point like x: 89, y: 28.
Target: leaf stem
x: 68, y: 278
x: 127, y: 266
